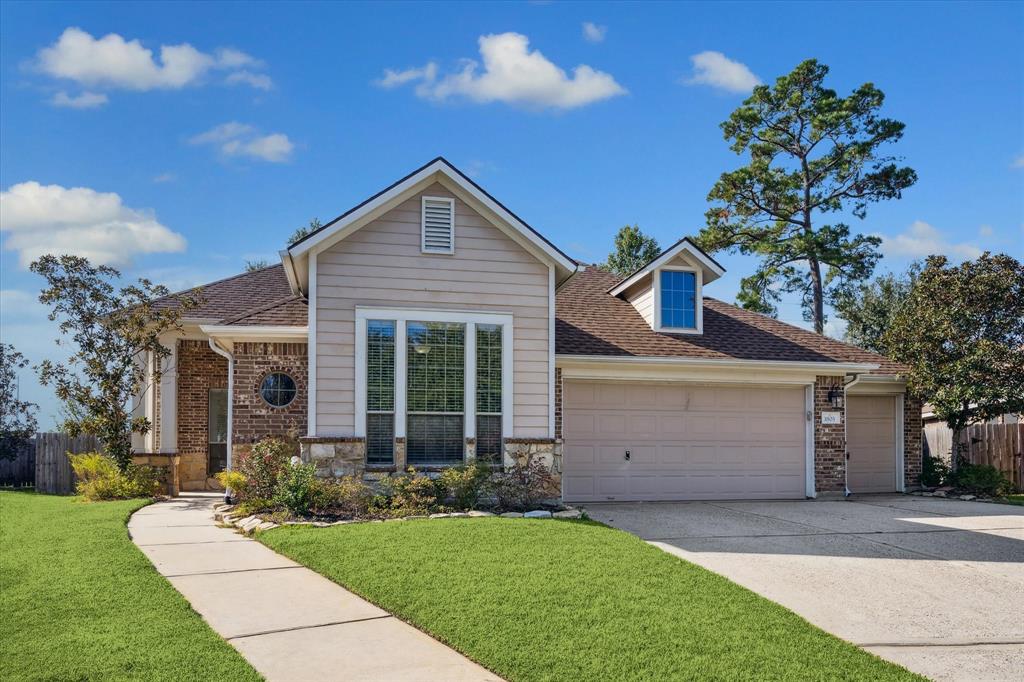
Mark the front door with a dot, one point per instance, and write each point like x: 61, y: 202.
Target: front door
x: 217, y: 453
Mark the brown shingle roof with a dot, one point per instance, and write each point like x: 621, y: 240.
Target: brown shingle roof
x: 236, y: 295
x: 288, y: 312
x: 590, y: 321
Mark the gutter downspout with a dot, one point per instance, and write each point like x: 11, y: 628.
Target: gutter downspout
x: 231, y: 401
x: 846, y: 450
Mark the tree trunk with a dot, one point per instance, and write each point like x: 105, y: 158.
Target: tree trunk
x: 817, y: 297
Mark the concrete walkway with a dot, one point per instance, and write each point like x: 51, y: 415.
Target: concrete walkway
x: 935, y: 585
x: 287, y: 621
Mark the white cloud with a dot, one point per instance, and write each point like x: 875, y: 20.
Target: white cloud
x: 985, y: 231
x: 718, y: 71
x: 921, y: 239
x: 260, y: 81
x: 86, y: 100
x: 115, y: 63
x: 241, y: 139
x: 511, y: 74
x: 41, y: 219
x: 835, y: 327
x: 593, y: 33
x: 1018, y: 162
x: 165, y: 177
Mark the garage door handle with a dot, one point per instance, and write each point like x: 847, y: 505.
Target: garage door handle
x: 627, y: 455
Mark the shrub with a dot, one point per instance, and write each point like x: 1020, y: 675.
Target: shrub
x: 99, y: 478
x: 262, y: 466
x: 524, y: 486
x: 934, y: 471
x: 405, y: 495
x: 297, y: 489
x: 463, y: 486
x: 981, y: 479
x: 232, y: 480
x: 346, y: 496
x: 254, y: 505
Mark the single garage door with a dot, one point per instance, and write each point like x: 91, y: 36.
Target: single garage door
x: 871, y: 442
x: 684, y: 442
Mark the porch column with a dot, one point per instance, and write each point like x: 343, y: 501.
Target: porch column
x: 169, y: 398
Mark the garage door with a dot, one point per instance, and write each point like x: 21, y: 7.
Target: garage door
x: 871, y: 442
x: 662, y: 441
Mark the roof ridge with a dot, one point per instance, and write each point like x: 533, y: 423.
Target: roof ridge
x: 261, y: 308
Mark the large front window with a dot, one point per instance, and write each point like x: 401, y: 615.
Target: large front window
x: 678, y: 299
x: 488, y: 393
x: 435, y: 392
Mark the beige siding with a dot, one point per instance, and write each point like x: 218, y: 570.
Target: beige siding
x: 381, y: 265
x: 642, y: 299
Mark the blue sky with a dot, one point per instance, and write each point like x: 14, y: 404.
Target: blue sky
x: 277, y: 113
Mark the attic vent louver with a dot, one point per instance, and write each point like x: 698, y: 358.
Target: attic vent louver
x: 438, y: 227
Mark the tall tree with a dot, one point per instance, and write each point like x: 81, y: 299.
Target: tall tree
x: 305, y: 231
x: 870, y: 307
x: 112, y: 330
x: 811, y: 152
x: 961, y: 332
x: 17, y: 416
x: 633, y: 250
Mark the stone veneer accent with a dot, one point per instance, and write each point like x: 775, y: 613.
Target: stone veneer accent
x: 253, y: 418
x: 829, y: 440
x: 199, y: 370
x: 335, y: 456
x: 547, y: 450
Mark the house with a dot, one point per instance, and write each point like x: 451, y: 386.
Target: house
x: 430, y: 325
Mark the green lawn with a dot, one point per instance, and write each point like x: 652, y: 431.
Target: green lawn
x: 562, y: 600
x: 1012, y: 499
x: 78, y: 601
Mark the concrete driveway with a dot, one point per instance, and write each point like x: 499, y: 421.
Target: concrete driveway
x: 935, y: 585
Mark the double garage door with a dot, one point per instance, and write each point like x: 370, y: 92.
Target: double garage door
x: 665, y: 441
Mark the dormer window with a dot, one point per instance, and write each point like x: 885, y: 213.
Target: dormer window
x: 678, y: 299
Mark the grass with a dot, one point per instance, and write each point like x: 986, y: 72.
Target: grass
x: 562, y: 600
x: 80, y: 602
x: 1012, y: 499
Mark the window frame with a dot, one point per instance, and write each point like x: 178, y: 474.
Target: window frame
x: 698, y: 301
x: 267, y: 403
x: 401, y: 316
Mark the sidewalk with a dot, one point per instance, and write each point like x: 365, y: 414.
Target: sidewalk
x: 287, y: 621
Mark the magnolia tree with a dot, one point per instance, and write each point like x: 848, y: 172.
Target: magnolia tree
x: 112, y: 330
x: 812, y: 154
x: 961, y: 333
x: 17, y: 416
x: 870, y: 307
x: 633, y: 250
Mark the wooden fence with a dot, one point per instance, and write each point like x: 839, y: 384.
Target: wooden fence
x: 53, y: 469
x: 19, y: 472
x: 999, y: 445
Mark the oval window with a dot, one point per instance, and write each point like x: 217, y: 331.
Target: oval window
x: 277, y: 389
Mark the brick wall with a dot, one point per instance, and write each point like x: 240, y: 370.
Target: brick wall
x: 912, y: 435
x: 253, y: 417
x: 199, y: 370
x: 829, y: 440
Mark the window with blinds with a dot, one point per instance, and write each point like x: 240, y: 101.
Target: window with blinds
x: 438, y: 225
x: 488, y: 393
x: 435, y: 392
x: 380, y: 391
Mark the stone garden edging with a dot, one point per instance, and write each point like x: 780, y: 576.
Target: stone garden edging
x: 253, y: 524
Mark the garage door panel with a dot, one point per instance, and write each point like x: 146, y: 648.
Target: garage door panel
x: 685, y: 442
x: 871, y: 441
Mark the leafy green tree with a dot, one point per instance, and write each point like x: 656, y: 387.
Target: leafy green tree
x: 17, y: 416
x: 303, y: 232
x: 112, y: 330
x: 254, y: 265
x: 961, y: 333
x: 811, y: 152
x: 633, y: 250
x: 870, y: 307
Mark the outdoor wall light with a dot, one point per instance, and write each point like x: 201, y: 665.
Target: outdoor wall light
x: 835, y: 396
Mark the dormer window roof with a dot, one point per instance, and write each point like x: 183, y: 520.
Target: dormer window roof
x: 668, y: 291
